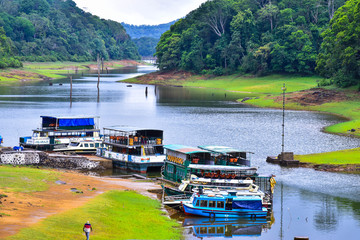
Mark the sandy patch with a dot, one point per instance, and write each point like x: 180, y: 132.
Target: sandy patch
x: 21, y: 210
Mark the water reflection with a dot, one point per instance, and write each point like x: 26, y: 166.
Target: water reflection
x: 326, y: 218
x: 225, y: 228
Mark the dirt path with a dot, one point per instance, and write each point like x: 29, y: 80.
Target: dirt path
x: 21, y: 210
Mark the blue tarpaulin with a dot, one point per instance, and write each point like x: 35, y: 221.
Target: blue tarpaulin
x: 246, y: 204
x: 48, y: 121
x: 76, y: 122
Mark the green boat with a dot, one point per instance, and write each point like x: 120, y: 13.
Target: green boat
x: 187, y: 168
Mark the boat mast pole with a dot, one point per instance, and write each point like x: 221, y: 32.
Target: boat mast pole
x: 283, y: 119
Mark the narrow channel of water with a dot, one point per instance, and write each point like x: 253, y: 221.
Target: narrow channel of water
x: 309, y: 203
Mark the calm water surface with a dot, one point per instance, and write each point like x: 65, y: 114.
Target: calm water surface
x: 306, y: 202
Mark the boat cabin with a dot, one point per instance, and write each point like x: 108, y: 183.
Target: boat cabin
x: 137, y: 149
x: 56, y: 130
x: 178, y: 159
x: 134, y: 141
x: 228, y: 156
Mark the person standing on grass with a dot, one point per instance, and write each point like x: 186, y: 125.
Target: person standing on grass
x: 87, y: 229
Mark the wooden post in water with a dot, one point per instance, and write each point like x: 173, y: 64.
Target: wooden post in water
x: 283, y: 121
x: 102, y: 64
x: 70, y: 91
x: 98, y: 83
x: 146, y: 91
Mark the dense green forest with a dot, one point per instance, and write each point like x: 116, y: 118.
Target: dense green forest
x: 57, y: 30
x: 146, y: 37
x: 264, y: 36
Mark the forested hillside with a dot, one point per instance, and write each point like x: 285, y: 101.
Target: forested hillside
x: 146, y: 37
x: 262, y: 37
x: 57, y: 30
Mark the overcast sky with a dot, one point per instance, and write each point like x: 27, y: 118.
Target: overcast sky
x: 137, y: 12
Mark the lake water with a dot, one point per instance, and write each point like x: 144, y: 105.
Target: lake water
x: 309, y: 203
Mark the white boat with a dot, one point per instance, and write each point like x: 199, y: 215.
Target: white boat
x: 136, y: 149
x: 81, y: 146
x: 58, y: 131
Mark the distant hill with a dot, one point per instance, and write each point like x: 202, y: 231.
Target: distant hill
x: 146, y: 37
x: 57, y: 30
x: 153, y: 31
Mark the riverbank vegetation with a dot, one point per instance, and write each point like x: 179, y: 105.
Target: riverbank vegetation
x: 113, y: 215
x: 38, y: 71
x: 266, y: 37
x: 342, y: 157
x: 25, y: 179
x: 45, y: 31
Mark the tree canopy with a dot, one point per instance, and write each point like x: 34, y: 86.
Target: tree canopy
x: 57, y: 30
x: 339, y: 56
x: 251, y: 36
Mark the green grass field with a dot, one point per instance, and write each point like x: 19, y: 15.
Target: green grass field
x: 348, y: 156
x: 25, y: 179
x: 265, y: 85
x: 113, y: 215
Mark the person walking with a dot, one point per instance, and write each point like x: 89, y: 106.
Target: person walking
x: 87, y: 229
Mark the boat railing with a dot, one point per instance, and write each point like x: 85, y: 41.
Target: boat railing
x: 176, y: 197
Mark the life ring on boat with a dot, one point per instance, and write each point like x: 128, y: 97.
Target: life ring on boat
x: 212, y: 215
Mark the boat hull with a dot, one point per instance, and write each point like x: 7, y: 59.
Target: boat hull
x: 136, y: 167
x: 238, y: 213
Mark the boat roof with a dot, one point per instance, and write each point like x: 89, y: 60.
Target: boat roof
x: 221, y: 167
x: 184, y: 149
x: 220, y: 149
x: 125, y: 128
x: 70, y: 117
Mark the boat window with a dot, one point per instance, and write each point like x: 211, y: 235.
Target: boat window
x: 197, y: 203
x: 220, y: 230
x: 212, y: 230
x: 203, y: 203
x: 74, y: 144
x: 212, y: 204
x: 228, y: 205
x: 220, y: 204
x: 97, y: 145
x: 91, y: 145
x: 203, y: 230
x: 86, y: 145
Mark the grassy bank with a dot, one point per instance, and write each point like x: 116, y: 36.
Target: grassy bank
x: 342, y: 157
x: 36, y: 71
x: 113, y: 215
x: 25, y: 179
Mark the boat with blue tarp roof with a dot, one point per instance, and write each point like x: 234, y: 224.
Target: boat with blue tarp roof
x: 59, y: 131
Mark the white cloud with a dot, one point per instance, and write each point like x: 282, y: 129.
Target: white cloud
x: 150, y: 12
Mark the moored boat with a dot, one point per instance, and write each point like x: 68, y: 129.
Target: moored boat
x: 1, y: 139
x: 232, y: 205
x: 187, y: 168
x: 58, y: 131
x: 132, y: 148
x: 82, y: 146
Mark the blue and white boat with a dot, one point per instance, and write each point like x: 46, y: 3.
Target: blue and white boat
x: 133, y: 148
x: 1, y: 139
x: 231, y: 205
x: 59, y: 131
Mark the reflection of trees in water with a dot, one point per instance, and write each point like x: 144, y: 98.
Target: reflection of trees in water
x: 326, y: 218
x: 349, y: 205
